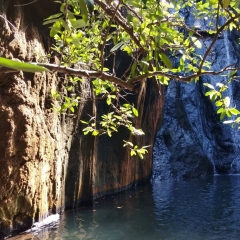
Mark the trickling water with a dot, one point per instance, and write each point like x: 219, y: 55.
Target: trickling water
x: 170, y: 210
x: 235, y: 166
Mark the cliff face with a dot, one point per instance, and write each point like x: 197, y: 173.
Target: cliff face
x: 193, y: 141
x: 46, y: 162
x: 34, y: 141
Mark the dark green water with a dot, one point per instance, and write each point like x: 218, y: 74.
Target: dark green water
x: 203, y: 209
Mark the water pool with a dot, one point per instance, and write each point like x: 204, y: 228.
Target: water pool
x: 199, y: 209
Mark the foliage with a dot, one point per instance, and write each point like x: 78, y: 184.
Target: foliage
x: 20, y: 66
x: 222, y: 103
x: 157, y: 39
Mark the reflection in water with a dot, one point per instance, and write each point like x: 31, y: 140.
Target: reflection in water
x: 198, y: 209
x: 202, y: 209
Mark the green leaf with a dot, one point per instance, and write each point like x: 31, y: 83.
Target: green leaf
x: 20, y: 66
x: 53, y: 16
x: 132, y: 153
x: 84, y: 11
x: 109, y: 132
x: 225, y: 3
x: 181, y: 64
x: 83, y: 122
x: 109, y: 100
x: 196, y: 79
x: 90, y: 5
x: 196, y: 42
x: 128, y: 143
x: 128, y: 50
x: 114, y: 129
x: 135, y: 111
x: 220, y: 110
x: 142, y: 151
x: 209, y: 85
x: 222, y: 116
x: 166, y: 60
x: 136, y: 131
x: 117, y: 46
x: 140, y: 155
x: 219, y: 103
x: 95, y: 133
x: 234, y: 111
x: 79, y: 23
x: 133, y: 69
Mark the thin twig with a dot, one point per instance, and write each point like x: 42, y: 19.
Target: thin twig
x: 134, y: 13
x: 15, y: 29
x: 219, y: 30
x: 121, y: 21
x: 106, y: 35
x: 25, y: 4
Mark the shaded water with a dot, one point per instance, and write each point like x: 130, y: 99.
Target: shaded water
x: 201, y: 209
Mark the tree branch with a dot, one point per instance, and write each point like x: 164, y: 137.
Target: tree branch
x: 219, y: 30
x: 179, y: 77
x: 87, y: 74
x: 91, y: 74
x: 120, y: 20
x: 129, y: 84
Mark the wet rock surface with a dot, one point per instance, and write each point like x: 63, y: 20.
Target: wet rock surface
x: 193, y: 142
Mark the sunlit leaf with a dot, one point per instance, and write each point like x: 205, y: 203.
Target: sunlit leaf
x: 228, y: 121
x: 132, y: 153
x: 225, y: 3
x: 227, y: 101
x: 117, y: 46
x: 166, y: 60
x: 109, y: 132
x: 84, y: 11
x: 140, y: 154
x: 135, y: 111
x: 109, y: 100
x: 83, y: 122
x: 209, y: 85
x: 196, y: 42
x: 20, y: 66
x: 95, y: 133
x: 234, y: 111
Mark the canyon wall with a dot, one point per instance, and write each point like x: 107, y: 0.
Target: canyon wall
x: 193, y: 142
x: 46, y: 162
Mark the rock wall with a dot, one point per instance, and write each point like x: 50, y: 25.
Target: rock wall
x: 193, y: 142
x: 47, y: 164
x: 34, y: 141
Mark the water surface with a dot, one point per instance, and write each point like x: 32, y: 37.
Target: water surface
x: 200, y: 209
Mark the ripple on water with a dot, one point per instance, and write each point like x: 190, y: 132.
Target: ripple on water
x: 200, y: 209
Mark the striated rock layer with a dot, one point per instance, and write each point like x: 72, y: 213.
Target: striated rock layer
x: 46, y: 163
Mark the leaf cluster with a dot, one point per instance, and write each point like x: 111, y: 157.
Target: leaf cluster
x: 156, y: 37
x: 223, y: 104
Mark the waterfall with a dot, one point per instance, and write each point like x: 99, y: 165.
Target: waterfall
x: 235, y: 165
x: 192, y: 141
